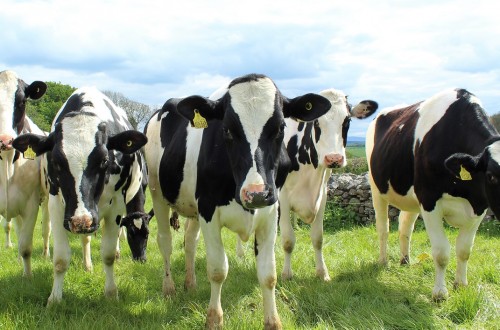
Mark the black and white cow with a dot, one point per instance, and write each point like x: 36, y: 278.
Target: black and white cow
x: 20, y: 177
x: 439, y: 158
x: 94, y: 170
x: 315, y: 148
x: 226, y: 175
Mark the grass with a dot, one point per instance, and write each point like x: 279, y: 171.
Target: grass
x: 361, y: 294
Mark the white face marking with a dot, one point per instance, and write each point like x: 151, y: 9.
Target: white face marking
x: 77, y: 143
x: 494, y: 149
x: 253, y: 102
x: 8, y: 88
x: 138, y: 223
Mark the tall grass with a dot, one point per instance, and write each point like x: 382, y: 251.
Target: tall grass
x: 361, y: 294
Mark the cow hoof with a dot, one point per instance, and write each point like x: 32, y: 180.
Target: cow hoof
x: 404, y: 261
x: 323, y: 275
x: 457, y: 285
x: 214, y: 319
x: 383, y: 261
x: 286, y: 275
x: 46, y: 254
x: 190, y: 285
x: 439, y: 295
x: 111, y: 294
x: 168, y: 289
x: 273, y: 324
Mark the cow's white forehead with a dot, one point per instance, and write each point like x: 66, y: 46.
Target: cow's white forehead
x: 494, y: 149
x: 337, y: 98
x: 253, y: 102
x: 8, y: 88
x: 79, y: 140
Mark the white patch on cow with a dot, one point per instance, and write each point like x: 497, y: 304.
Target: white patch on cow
x: 138, y: 223
x: 77, y: 143
x: 432, y: 110
x: 400, y: 128
x: 494, y: 149
x: 8, y: 88
x: 253, y: 102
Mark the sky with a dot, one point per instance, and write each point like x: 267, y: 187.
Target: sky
x: 393, y: 52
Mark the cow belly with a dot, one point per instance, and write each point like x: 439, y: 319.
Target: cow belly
x: 406, y: 202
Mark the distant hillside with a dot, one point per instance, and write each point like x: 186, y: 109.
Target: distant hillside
x: 355, y: 140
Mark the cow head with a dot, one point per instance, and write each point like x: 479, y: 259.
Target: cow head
x: 329, y: 132
x: 81, y: 160
x: 14, y: 93
x: 252, y: 112
x: 485, y: 166
x: 137, y: 225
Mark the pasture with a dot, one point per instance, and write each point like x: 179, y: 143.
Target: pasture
x: 361, y: 294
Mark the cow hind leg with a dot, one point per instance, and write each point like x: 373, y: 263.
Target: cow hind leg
x: 382, y: 223
x: 7, y: 226
x: 26, y: 225
x: 86, y: 255
x: 317, y: 242
x: 46, y: 228
x: 240, y: 249
x: 191, y: 237
x: 406, y: 225
x: 164, y: 240
x: 108, y: 255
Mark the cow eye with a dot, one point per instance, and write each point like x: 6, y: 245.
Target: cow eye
x: 491, y: 179
x: 227, y: 133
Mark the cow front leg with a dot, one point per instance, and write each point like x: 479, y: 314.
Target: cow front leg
x: 26, y: 226
x: 217, y: 268
x: 86, y: 254
x: 46, y: 228
x: 287, y: 240
x: 406, y: 223
x: 265, y: 237
x: 463, y: 248
x: 191, y: 237
x: 61, y: 252
x: 108, y: 254
x: 382, y: 223
x: 7, y: 226
x: 440, y: 253
x: 317, y: 242
x: 164, y: 240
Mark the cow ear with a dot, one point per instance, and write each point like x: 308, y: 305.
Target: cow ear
x: 36, y: 90
x: 463, y: 166
x: 307, y: 107
x: 33, y: 143
x: 199, y: 110
x: 127, y: 142
x: 364, y: 109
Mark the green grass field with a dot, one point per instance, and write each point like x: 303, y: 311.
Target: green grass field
x: 361, y: 294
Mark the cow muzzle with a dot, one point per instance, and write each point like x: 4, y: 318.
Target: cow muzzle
x: 6, y: 142
x: 333, y: 160
x: 255, y: 196
x: 83, y: 224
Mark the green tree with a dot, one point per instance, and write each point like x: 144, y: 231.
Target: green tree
x: 43, y: 110
x: 137, y: 113
x: 495, y: 120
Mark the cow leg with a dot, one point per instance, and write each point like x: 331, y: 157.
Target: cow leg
x: 164, y: 240
x: 317, y: 241
x: 7, y: 226
x: 61, y: 249
x: 464, y: 243
x: 287, y: 239
x: 440, y: 253
x: 240, y: 250
x: 217, y: 268
x: 108, y: 255
x: 86, y: 255
x: 406, y: 225
x: 265, y: 238
x: 45, y: 228
x: 191, y: 237
x: 382, y: 223
x: 26, y: 225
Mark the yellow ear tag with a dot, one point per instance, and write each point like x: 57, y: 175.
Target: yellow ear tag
x: 309, y: 106
x: 129, y: 143
x: 464, y: 174
x: 198, y: 120
x: 29, y: 153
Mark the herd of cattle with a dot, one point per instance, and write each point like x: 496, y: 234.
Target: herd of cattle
x: 244, y: 158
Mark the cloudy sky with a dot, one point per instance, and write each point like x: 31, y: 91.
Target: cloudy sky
x: 394, y: 52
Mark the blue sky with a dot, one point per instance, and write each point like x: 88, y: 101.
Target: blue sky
x: 394, y: 52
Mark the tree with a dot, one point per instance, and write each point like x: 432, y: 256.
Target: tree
x: 495, y: 120
x: 43, y: 110
x: 137, y: 113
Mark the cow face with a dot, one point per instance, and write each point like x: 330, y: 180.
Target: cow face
x: 252, y: 112
x: 329, y: 132
x: 485, y: 165
x: 81, y: 160
x: 14, y: 93
x: 137, y: 225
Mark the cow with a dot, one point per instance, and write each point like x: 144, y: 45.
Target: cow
x: 20, y: 177
x: 439, y: 158
x: 315, y: 148
x: 225, y: 175
x: 94, y: 171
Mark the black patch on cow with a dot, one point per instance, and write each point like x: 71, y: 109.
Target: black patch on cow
x: 301, y: 126
x: 392, y: 157
x: 16, y: 156
x: 345, y: 130
x: 19, y: 113
x: 317, y: 130
x: 307, y: 150
x: 116, y: 126
x: 74, y: 103
x: 292, y: 150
